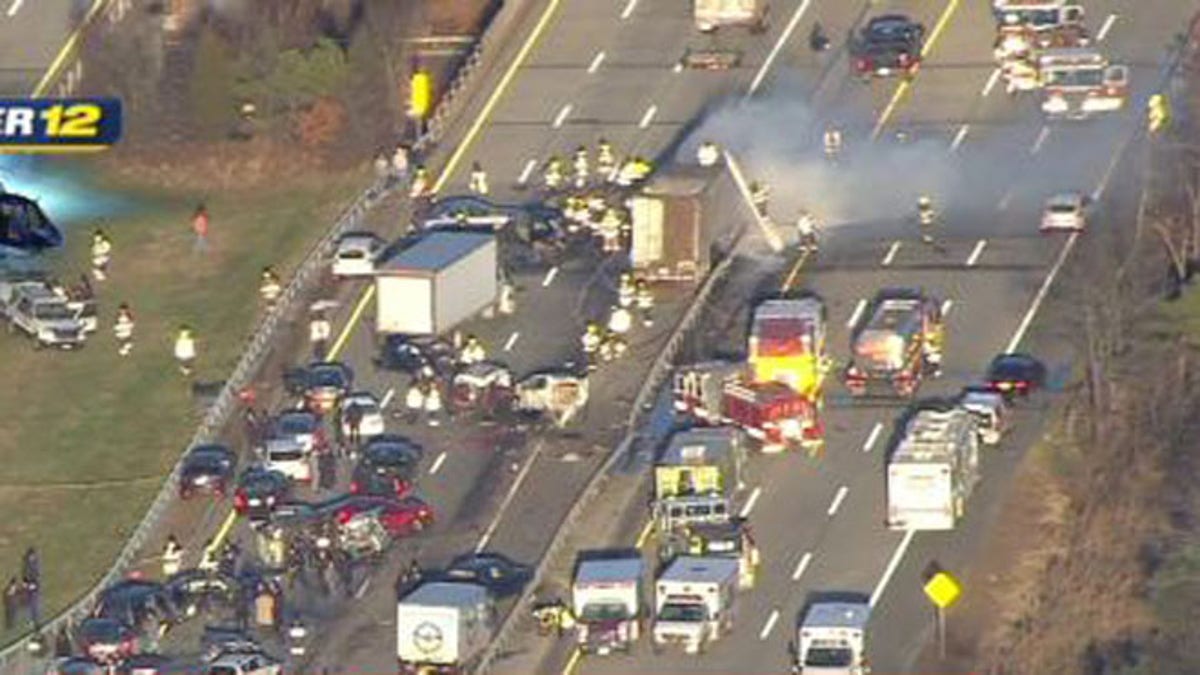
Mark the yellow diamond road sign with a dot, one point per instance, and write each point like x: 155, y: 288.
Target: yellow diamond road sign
x: 943, y: 590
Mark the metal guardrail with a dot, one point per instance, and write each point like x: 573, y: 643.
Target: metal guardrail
x: 264, y: 334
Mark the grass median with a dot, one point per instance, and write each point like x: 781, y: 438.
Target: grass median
x: 88, y: 437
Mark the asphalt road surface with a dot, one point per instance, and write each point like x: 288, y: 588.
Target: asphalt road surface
x: 819, y: 523
x: 31, y: 34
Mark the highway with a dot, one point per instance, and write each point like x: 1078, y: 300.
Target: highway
x: 32, y: 34
x: 819, y: 523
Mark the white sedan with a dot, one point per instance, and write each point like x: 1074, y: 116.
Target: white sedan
x: 1067, y: 211
x: 356, y: 255
x: 371, y: 423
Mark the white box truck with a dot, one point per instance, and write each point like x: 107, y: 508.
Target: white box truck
x: 443, y: 627
x: 694, y: 602
x: 606, y: 599
x: 933, y: 470
x: 435, y: 284
x: 832, y: 639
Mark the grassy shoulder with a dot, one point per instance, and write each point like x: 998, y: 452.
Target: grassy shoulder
x: 88, y: 437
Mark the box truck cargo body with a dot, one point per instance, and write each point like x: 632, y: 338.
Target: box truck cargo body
x: 681, y: 219
x: 435, y: 284
x: 443, y: 625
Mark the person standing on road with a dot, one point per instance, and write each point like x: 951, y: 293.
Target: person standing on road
x: 172, y: 559
x: 479, y: 182
x: 12, y: 603
x: 354, y: 416
x: 270, y: 288
x: 414, y: 401
x: 101, y: 254
x: 200, y: 228
x: 400, y: 162
x: 31, y: 576
x: 644, y: 299
x: 123, y: 330
x: 319, y: 332
x: 185, y: 350
x: 433, y: 405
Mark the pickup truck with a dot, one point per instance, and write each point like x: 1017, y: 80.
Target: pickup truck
x: 36, y: 310
x: 888, y: 45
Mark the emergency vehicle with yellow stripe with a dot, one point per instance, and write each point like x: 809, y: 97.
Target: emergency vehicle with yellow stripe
x: 897, y: 345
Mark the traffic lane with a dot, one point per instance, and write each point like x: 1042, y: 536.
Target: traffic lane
x: 32, y: 33
x: 1136, y: 37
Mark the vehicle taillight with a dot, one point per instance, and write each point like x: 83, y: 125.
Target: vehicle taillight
x: 343, y: 516
x: 402, y: 487
x: 239, y: 501
x: 904, y: 58
x: 863, y: 65
x: 355, y: 487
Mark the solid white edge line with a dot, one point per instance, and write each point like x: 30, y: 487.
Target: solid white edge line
x: 991, y: 82
x: 526, y: 172
x: 754, y: 495
x: 561, y: 117
x: 947, y: 304
x: 1041, y: 295
x: 15, y: 7
x: 837, y: 500
x: 628, y: 11
x: 512, y: 340
x: 778, y: 46
x: 596, y: 61
x: 437, y: 463
x: 769, y: 625
x: 857, y: 313
x: 891, y: 253
x: 890, y: 570
x: 873, y: 437
x: 387, y: 398
x: 1104, y: 28
x: 801, y: 566
x: 550, y: 276
x: 1040, y: 140
x: 648, y: 117
x: 512, y: 493
x: 958, y: 137
x: 976, y: 252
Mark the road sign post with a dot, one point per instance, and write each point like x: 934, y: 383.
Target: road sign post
x: 943, y: 590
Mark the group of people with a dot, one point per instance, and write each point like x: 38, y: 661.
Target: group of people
x: 604, y: 343
x: 557, y: 175
x: 24, y: 592
x: 425, y: 398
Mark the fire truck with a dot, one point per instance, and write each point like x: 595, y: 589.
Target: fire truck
x: 1079, y: 82
x: 1026, y: 29
x: 898, y: 344
x: 1040, y: 15
x: 787, y: 344
x: 698, y: 389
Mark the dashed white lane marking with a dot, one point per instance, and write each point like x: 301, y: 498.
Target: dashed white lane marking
x: 991, y: 82
x: 958, y: 138
x: 777, y: 47
x: 857, y: 313
x: 562, y: 115
x: 891, y: 253
x: 512, y: 340
x: 897, y: 556
x: 976, y: 252
x: 628, y: 11
x: 678, y: 67
x: 15, y: 7
x: 1041, y: 294
x: 596, y: 61
x: 550, y: 276
x: 801, y: 566
x: 769, y: 625
x: 873, y: 437
x: 387, y: 398
x: 947, y: 305
x: 837, y: 500
x: 512, y: 492
x: 362, y: 588
x: 754, y: 495
x: 1040, y: 140
x: 648, y: 117
x: 437, y: 463
x: 1104, y: 28
x: 526, y: 172
x: 1005, y: 200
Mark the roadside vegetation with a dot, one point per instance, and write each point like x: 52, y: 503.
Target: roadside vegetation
x: 1101, y: 573
x: 89, y: 437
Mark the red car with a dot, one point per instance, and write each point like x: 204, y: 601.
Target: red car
x: 399, y: 516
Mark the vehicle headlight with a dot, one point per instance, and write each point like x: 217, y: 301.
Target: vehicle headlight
x: 1056, y: 104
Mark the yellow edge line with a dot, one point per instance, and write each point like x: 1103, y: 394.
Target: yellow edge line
x: 348, y: 329
x: 50, y: 149
x: 65, y: 53
x: 645, y: 534
x: 223, y: 532
x: 898, y: 96
x: 494, y: 99
x: 573, y: 662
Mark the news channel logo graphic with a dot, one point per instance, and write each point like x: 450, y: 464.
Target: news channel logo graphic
x: 59, y: 125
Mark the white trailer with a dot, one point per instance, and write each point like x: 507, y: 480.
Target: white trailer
x: 832, y: 639
x: 443, y: 626
x: 435, y: 284
x: 694, y: 602
x: 933, y: 471
x: 606, y: 599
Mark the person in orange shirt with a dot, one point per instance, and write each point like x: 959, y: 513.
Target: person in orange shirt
x: 200, y: 228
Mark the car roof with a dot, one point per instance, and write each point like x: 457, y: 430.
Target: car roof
x: 1065, y: 199
x: 360, y: 397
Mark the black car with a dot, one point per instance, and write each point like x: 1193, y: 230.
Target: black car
x: 24, y: 227
x: 498, y: 574
x: 136, y: 602
x: 106, y: 640
x: 888, y: 45
x: 409, y: 354
x: 386, y: 467
x: 259, y: 490
x: 1016, y: 375
x: 325, y: 384
x: 192, y: 588
x: 207, y: 468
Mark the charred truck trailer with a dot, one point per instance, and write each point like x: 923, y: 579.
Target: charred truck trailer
x: 683, y: 223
